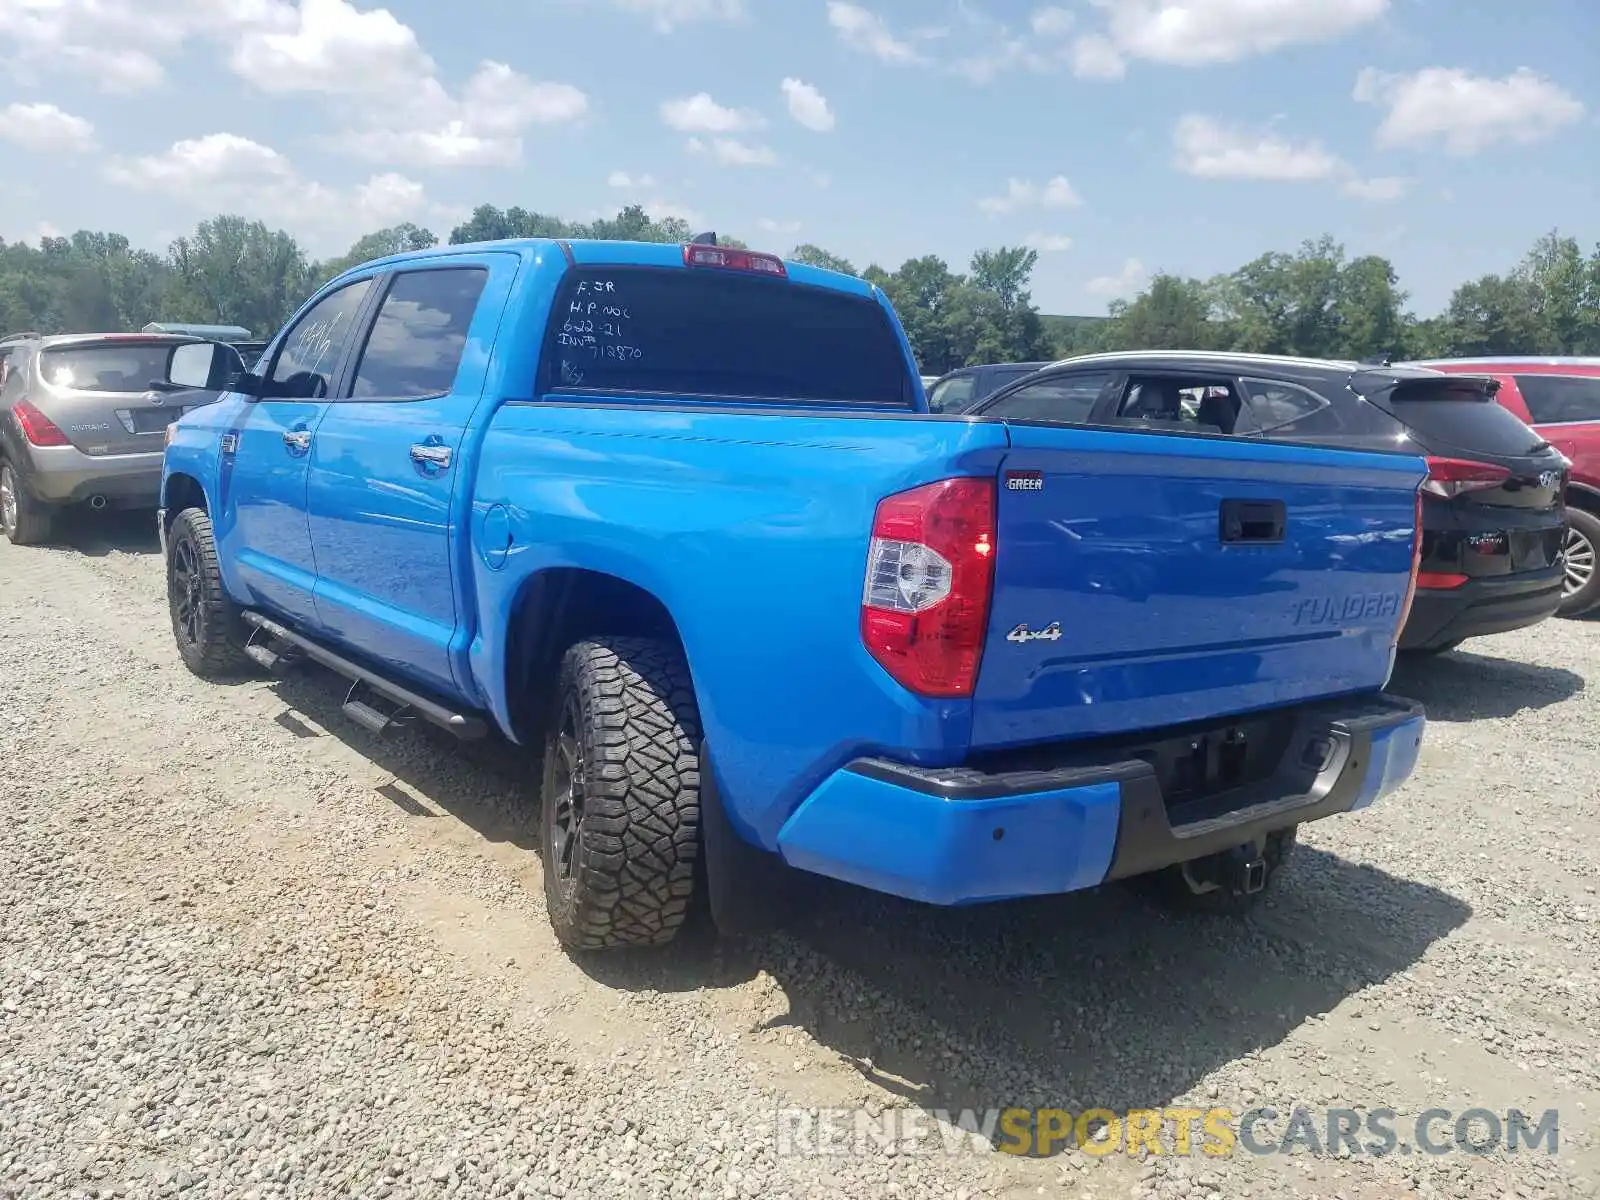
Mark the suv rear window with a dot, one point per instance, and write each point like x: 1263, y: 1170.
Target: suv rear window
x: 1461, y: 413
x: 107, y: 367
x: 719, y: 333
x: 1553, y: 399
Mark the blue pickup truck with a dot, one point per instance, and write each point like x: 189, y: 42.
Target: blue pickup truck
x: 676, y: 519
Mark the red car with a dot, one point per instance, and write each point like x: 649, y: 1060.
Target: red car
x: 1560, y: 398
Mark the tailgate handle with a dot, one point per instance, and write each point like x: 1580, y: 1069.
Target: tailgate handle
x: 1253, y: 521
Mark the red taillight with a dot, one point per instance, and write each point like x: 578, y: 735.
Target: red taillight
x: 1441, y: 579
x: 733, y: 260
x: 38, y: 428
x: 930, y: 572
x: 1450, y: 477
x: 1414, y: 581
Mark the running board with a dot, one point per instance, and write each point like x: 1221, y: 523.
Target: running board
x: 463, y: 725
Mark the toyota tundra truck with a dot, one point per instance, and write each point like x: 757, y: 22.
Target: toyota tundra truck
x: 676, y: 519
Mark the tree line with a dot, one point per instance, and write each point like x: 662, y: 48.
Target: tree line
x: 1313, y: 300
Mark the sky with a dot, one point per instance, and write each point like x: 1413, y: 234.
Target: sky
x: 1117, y: 137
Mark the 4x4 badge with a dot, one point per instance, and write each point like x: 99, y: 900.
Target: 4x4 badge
x: 1050, y: 633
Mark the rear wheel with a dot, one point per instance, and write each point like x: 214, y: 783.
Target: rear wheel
x: 205, y: 623
x: 1580, y: 590
x: 1211, y: 885
x: 620, y: 797
x: 25, y: 520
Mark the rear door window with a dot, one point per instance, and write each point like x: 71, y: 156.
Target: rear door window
x: 107, y: 367
x: 1189, y: 405
x: 420, y: 333
x: 1062, y: 399
x: 722, y: 334
x: 1560, y: 399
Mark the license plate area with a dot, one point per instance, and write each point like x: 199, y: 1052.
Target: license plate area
x: 148, y: 420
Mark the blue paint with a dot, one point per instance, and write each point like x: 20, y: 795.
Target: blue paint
x: 1394, y: 757
x: 891, y: 839
x: 750, y: 526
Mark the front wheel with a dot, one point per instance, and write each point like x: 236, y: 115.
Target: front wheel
x: 620, y: 822
x: 1210, y: 886
x: 24, y: 520
x: 1580, y: 586
x: 205, y: 623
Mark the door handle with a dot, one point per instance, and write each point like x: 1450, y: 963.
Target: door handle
x: 425, y: 455
x: 298, y: 439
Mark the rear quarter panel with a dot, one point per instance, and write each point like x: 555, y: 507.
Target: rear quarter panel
x: 752, y: 528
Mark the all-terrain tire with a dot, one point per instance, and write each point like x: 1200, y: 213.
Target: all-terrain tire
x: 620, y: 795
x: 206, y: 624
x: 1584, y: 542
x: 1172, y: 888
x: 25, y: 520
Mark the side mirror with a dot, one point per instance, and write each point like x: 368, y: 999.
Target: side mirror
x: 191, y: 365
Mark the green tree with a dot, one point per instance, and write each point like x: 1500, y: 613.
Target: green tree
x: 237, y: 272
x: 396, y: 239
x: 816, y: 256
x: 1173, y: 313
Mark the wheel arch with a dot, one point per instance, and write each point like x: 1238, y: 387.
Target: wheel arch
x: 1581, y: 495
x: 179, y: 491
x: 553, y: 609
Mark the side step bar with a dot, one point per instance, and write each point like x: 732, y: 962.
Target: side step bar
x: 463, y: 725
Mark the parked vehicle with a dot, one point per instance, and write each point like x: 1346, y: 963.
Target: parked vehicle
x: 1493, y: 517
x: 670, y: 514
x: 81, y: 419
x: 1560, y: 398
x: 959, y: 390
x: 236, y: 336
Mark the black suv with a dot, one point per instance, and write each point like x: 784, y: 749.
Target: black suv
x: 959, y: 390
x: 1494, y: 516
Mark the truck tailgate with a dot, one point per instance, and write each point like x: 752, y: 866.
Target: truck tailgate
x: 1145, y: 580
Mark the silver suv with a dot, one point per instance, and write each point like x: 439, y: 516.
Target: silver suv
x: 82, y: 417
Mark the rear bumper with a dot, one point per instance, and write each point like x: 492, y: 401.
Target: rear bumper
x: 1440, y: 616
x: 66, y: 475
x: 961, y: 836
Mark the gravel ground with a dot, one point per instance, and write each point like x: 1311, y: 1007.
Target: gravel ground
x: 247, y: 950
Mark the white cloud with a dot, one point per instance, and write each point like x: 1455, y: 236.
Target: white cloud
x: 1097, y: 57
x: 768, y: 225
x: 119, y: 44
x: 1199, y: 32
x: 701, y: 114
x: 667, y: 15
x: 1052, y: 22
x: 665, y: 210
x: 390, y: 104
x: 734, y: 153
x: 1378, y: 191
x: 808, y: 106
x: 396, y: 109
x: 225, y: 170
x: 1207, y: 148
x: 1466, y: 113
x: 627, y: 182
x: 1126, y: 282
x: 1022, y: 193
x: 45, y: 129
x: 864, y: 30
x: 1048, y: 243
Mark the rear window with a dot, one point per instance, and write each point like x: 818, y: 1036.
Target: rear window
x: 1554, y: 399
x: 112, y: 367
x: 1460, y: 413
x: 719, y: 333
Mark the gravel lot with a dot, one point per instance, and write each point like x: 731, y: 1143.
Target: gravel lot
x: 248, y: 950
